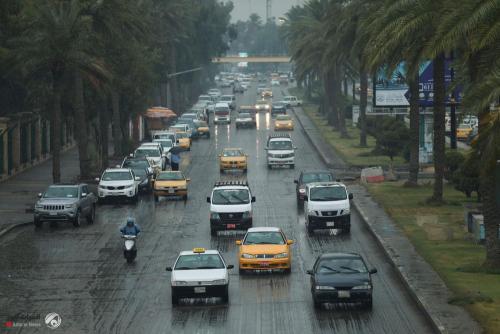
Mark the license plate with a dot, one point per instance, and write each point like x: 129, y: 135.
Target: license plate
x: 234, y: 166
x: 330, y: 224
x: 52, y: 213
x: 200, y: 289
x: 344, y: 294
x: 231, y: 225
x: 264, y: 264
x: 171, y: 190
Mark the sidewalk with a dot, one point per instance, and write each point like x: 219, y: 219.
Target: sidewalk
x: 18, y: 194
x: 424, y: 284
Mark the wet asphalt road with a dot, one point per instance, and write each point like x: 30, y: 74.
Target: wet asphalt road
x: 81, y: 274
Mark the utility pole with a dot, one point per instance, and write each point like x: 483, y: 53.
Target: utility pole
x: 268, y: 10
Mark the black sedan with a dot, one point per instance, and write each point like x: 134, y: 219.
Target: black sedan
x: 309, y: 176
x: 341, y: 278
x: 278, y: 108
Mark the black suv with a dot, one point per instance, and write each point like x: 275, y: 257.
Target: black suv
x: 309, y: 176
x: 341, y: 277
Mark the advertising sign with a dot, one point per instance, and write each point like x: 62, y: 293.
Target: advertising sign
x: 393, y: 91
x: 243, y: 63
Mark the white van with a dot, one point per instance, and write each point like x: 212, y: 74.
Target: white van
x: 230, y: 206
x: 280, y: 151
x: 327, y: 206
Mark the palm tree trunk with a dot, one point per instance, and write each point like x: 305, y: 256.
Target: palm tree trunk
x: 414, y: 132
x: 336, y: 95
x: 363, y: 101
x: 439, y: 124
x: 117, y: 130
x: 104, y: 131
x: 81, y: 128
x: 491, y: 215
x: 55, y: 129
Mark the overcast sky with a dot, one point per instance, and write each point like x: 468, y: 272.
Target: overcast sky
x: 243, y: 8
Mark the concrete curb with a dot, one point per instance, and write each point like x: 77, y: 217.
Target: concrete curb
x: 12, y: 227
x: 394, y: 259
x: 436, y: 323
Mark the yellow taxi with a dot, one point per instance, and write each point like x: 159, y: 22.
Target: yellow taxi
x: 202, y: 128
x: 463, y: 131
x: 265, y: 248
x: 170, y: 183
x: 283, y: 122
x: 183, y: 140
x: 233, y: 158
x: 266, y: 93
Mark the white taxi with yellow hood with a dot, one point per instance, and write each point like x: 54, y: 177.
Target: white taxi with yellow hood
x: 199, y: 273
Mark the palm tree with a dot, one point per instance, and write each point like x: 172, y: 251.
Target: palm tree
x: 53, y: 42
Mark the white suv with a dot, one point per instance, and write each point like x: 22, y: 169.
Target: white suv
x: 153, y: 153
x: 230, y: 206
x: 327, y: 206
x: 118, y: 182
x: 280, y: 151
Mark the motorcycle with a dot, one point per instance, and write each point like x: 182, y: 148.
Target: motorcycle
x: 129, y: 249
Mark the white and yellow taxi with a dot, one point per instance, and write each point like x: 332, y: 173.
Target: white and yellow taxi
x: 233, y: 158
x: 283, y: 122
x: 199, y: 273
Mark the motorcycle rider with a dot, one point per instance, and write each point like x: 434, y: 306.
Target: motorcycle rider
x: 131, y: 228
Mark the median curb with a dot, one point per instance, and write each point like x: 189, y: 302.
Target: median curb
x: 421, y: 281
x: 11, y: 227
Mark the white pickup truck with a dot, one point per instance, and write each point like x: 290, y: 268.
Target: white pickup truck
x: 292, y: 101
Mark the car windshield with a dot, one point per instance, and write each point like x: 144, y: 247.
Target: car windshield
x: 61, y: 192
x: 335, y: 193
x: 166, y: 143
x: 261, y: 102
x: 143, y: 152
x: 278, y: 105
x: 221, y: 110
x: 163, y: 136
x: 116, y: 176
x: 316, y: 177
x: 201, y: 124
x: 258, y: 238
x: 164, y: 176
x: 280, y: 145
x: 205, y: 98
x: 182, y: 135
x: 140, y: 172
x: 341, y: 265
x: 230, y: 196
x: 232, y: 153
x: 464, y: 126
x: 226, y: 98
x: 136, y: 164
x: 283, y: 118
x: 244, y: 115
x: 199, y: 261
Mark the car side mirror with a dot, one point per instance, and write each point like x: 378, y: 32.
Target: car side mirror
x: 238, y: 242
x: 39, y: 195
x: 296, y: 181
x: 137, y: 178
x: 295, y: 147
x: 351, y: 196
x: 131, y: 155
x: 84, y: 195
x: 253, y: 199
x: 150, y: 170
x: 208, y: 199
x: 188, y: 180
x: 266, y: 148
x: 168, y: 269
x: 306, y: 198
x: 96, y: 179
x: 290, y: 242
x: 373, y: 271
x: 229, y: 266
x: 309, y: 272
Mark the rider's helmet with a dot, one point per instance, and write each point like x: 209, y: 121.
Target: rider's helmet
x: 130, y: 221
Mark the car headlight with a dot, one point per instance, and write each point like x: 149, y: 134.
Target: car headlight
x: 366, y: 286
x: 219, y: 282
x: 289, y: 124
x: 302, y: 190
x: 346, y: 211
x: 247, y: 256
x: 281, y: 255
x: 38, y: 206
x: 130, y: 186
x: 179, y: 283
x: 324, y: 287
x: 247, y: 214
x: 214, y: 215
x: 70, y: 206
x: 313, y: 213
